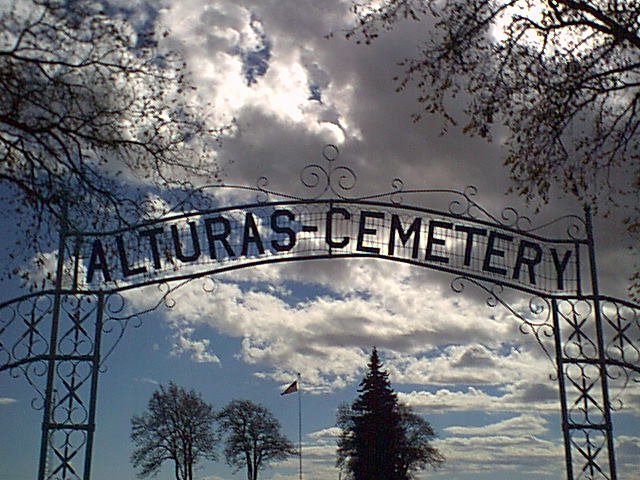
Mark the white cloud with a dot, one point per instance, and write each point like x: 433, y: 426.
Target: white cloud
x: 321, y: 318
x: 628, y: 453
x: 516, y: 445
x: 197, y: 349
x: 328, y: 337
x: 516, y: 397
x: 493, y: 454
x: 471, y: 364
x: 326, y: 435
x: 7, y: 400
x: 150, y: 381
x: 224, y: 40
x: 521, y: 426
x: 425, y: 333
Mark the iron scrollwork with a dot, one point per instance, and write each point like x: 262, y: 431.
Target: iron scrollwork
x: 335, y: 179
x: 621, y: 328
x: 25, y: 322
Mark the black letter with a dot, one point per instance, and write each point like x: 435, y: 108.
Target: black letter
x: 468, y: 247
x: 329, y: 228
x: 492, y: 251
x: 289, y: 232
x: 438, y: 241
x: 531, y: 262
x: 251, y: 234
x: 560, y: 265
x: 362, y: 231
x: 414, y: 229
x: 126, y: 270
x: 221, y: 237
x: 154, y: 244
x: 194, y: 241
x: 97, y: 253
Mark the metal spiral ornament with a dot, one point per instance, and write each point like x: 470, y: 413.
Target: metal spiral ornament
x: 397, y: 186
x: 321, y: 180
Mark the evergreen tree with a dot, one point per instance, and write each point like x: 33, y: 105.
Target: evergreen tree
x: 382, y: 439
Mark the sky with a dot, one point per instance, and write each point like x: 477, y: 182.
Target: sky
x: 486, y: 387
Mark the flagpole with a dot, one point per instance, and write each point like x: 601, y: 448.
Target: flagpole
x: 300, y: 424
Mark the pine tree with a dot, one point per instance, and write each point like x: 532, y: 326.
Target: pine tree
x: 380, y: 438
x: 376, y: 425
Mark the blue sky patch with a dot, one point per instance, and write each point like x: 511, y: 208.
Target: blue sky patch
x: 255, y: 60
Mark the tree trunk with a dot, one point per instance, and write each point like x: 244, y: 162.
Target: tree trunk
x: 249, y: 466
x: 189, y: 460
x: 255, y: 460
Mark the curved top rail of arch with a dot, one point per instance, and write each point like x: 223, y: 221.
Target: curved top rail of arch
x: 195, y: 239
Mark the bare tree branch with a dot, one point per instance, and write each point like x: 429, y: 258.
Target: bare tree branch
x: 563, y: 77
x: 94, y: 116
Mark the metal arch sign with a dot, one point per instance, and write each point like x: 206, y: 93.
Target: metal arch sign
x: 59, y: 333
x: 240, y: 236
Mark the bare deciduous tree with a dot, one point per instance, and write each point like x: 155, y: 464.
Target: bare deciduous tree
x: 178, y: 427
x: 253, y: 438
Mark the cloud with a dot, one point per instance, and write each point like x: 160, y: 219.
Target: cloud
x: 150, y: 381
x: 7, y: 400
x: 197, y: 349
x: 471, y: 364
x: 327, y: 337
x: 493, y: 454
x: 516, y: 397
x: 326, y: 435
x: 518, y: 444
x: 307, y: 90
x: 521, y: 426
x: 445, y: 352
x: 326, y: 333
x: 628, y: 452
x: 247, y: 70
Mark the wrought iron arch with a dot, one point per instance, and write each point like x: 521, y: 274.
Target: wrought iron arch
x: 57, y: 337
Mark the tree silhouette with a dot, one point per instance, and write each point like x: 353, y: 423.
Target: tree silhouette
x: 253, y: 438
x: 563, y: 77
x: 178, y: 426
x: 95, y: 118
x: 380, y: 438
x: 417, y: 451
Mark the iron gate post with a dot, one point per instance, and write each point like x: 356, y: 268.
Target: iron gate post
x: 69, y: 416
x: 95, y: 371
x: 72, y: 371
x: 562, y: 389
x: 602, y: 360
x: 48, y: 414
